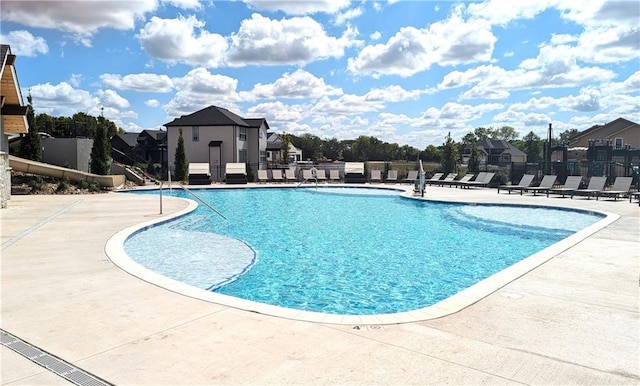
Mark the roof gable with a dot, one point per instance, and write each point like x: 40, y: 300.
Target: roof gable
x: 209, y: 116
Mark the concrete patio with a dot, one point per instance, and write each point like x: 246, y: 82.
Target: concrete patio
x: 572, y: 320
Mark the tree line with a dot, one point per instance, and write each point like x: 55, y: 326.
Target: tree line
x: 367, y: 148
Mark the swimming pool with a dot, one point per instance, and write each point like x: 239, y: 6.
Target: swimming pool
x: 344, y: 251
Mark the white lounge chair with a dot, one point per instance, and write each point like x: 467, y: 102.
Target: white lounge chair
x: 392, y: 176
x: 236, y: 173
x: 334, y: 175
x: 375, y: 176
x: 263, y: 176
x: 412, y: 176
x: 354, y: 172
x: 276, y: 175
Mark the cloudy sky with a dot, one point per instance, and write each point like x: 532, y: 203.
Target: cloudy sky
x: 407, y: 72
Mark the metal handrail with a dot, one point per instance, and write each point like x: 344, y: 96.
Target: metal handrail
x: 194, y: 195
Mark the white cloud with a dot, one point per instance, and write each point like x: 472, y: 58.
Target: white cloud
x: 304, y: 7
x: 375, y: 35
x: 63, y: 100
x: 182, y: 40
x: 80, y: 18
x: 184, y: 4
x: 110, y: 98
x: 347, y: 104
x: 393, y: 93
x: 199, y: 88
x: 298, y: 40
x: 139, y: 82
x: 412, y: 50
x: 347, y: 15
x: 152, y: 103
x: 300, y: 84
x: 23, y: 43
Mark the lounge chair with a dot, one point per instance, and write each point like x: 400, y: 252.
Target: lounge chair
x: 412, y: 176
x: 276, y: 175
x: 570, y: 184
x: 236, y: 173
x: 448, y: 179
x: 307, y: 175
x: 621, y: 187
x: 263, y: 176
x: 547, y: 183
x: 596, y: 184
x: 434, y: 179
x: 375, y: 176
x: 199, y: 173
x: 321, y: 175
x: 392, y: 176
x: 524, y: 183
x: 466, y: 178
x: 634, y: 196
x: 290, y: 175
x: 481, y: 180
x: 354, y: 172
x: 334, y: 175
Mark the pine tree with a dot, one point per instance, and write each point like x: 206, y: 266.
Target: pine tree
x: 450, y: 157
x: 473, y: 165
x: 180, y: 160
x: 31, y: 145
x: 100, y: 152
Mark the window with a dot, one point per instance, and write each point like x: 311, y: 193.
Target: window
x: 263, y: 156
x: 195, y: 133
x: 618, y: 143
x: 242, y: 155
x: 242, y: 134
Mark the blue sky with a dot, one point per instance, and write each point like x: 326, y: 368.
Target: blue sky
x: 407, y: 72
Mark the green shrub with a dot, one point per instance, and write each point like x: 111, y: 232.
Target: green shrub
x: 83, y: 184
x: 94, y: 187
x: 36, y: 183
x: 63, y: 185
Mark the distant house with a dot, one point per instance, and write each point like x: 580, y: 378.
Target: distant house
x: 620, y: 134
x: 496, y: 152
x: 216, y: 136
x: 274, y: 150
x: 13, y: 117
x: 148, y: 146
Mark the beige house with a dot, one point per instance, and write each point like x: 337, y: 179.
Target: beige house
x: 620, y: 134
x: 217, y: 136
x: 13, y: 117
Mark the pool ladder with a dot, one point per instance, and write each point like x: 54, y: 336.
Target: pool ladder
x: 194, y: 195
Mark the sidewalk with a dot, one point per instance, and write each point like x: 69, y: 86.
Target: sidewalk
x: 573, y: 320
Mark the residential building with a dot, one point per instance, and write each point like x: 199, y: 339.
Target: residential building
x: 148, y: 146
x: 13, y: 117
x: 216, y: 136
x: 274, y: 151
x: 496, y: 152
x: 619, y: 134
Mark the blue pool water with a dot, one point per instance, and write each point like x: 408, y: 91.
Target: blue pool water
x: 349, y: 251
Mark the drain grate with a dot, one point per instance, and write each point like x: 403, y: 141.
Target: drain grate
x: 56, y: 365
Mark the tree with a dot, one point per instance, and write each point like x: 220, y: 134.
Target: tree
x: 532, y: 145
x: 286, y: 142
x: 473, y: 165
x: 180, y: 164
x: 506, y: 133
x: 566, y: 135
x: 31, y: 145
x: 450, y: 156
x: 100, y: 151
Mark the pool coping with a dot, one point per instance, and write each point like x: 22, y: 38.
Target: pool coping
x: 114, y: 249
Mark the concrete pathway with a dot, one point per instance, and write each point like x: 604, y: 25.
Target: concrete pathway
x: 573, y: 320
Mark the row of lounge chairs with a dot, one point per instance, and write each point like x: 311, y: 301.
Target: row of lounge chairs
x: 482, y: 179
x: 350, y: 176
x: 596, y: 187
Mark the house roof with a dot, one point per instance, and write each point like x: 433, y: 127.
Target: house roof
x: 14, y: 112
x: 603, y: 131
x: 210, y: 116
x: 257, y: 122
x: 131, y: 139
x: 499, y: 144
